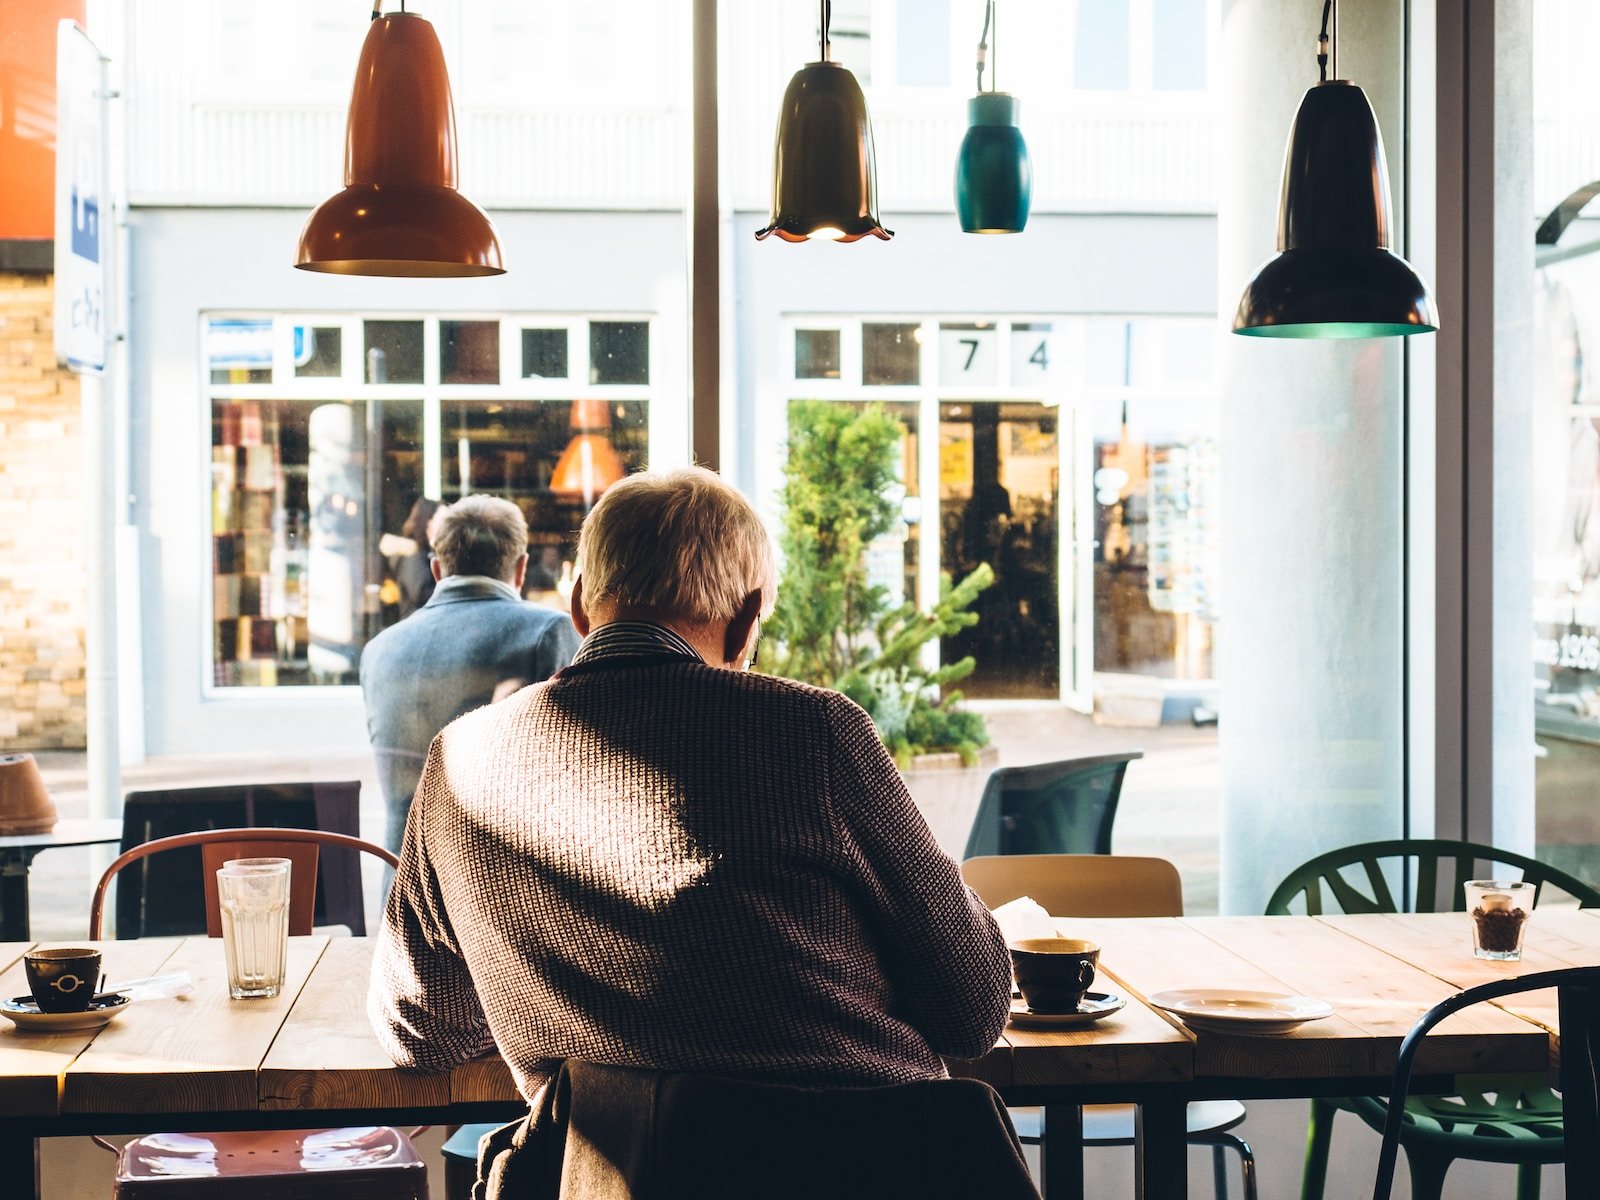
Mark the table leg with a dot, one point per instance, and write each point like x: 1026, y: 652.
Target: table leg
x: 1580, y: 1087
x: 14, y: 895
x: 1160, y: 1155
x: 19, y: 1167
x: 1061, y: 1152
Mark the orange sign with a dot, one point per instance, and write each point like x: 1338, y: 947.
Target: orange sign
x: 28, y: 113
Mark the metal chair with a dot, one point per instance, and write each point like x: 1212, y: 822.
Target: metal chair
x: 1522, y: 1122
x: 1578, y: 997
x: 1062, y: 807
x: 1110, y: 885
x: 161, y: 904
x: 374, y: 1163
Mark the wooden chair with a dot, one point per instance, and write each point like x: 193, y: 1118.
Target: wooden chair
x: 1062, y: 807
x: 297, y: 1164
x: 1110, y: 885
x: 1503, y: 1119
x: 1578, y: 997
x: 160, y: 903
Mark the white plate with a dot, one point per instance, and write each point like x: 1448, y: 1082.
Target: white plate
x: 1214, y: 1010
x: 1095, y: 1006
x: 24, y: 1014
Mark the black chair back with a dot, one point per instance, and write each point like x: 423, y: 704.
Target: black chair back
x: 160, y: 896
x: 1063, y: 807
x: 1578, y: 990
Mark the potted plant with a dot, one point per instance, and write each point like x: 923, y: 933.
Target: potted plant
x: 835, y: 628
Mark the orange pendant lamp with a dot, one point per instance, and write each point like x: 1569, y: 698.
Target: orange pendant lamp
x: 590, y: 463
x: 400, y: 213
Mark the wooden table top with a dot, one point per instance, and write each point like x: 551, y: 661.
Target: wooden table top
x: 311, y: 1048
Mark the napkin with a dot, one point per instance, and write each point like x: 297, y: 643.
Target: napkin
x: 1022, y: 918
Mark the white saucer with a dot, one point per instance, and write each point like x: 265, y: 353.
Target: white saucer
x: 1216, y: 1010
x: 24, y: 1014
x: 1095, y: 1006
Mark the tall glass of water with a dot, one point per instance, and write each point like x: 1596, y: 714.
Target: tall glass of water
x: 254, y: 897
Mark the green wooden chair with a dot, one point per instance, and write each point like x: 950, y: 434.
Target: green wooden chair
x: 1505, y: 1119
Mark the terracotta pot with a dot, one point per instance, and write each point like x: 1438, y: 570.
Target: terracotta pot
x: 25, y: 806
x: 947, y: 792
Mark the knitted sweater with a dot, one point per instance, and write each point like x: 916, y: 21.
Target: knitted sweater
x: 651, y: 862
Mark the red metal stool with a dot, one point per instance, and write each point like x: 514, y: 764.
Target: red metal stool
x: 356, y: 1163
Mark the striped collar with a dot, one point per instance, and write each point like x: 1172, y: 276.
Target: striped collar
x: 631, y: 639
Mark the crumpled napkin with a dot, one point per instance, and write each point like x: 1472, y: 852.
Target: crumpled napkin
x: 1022, y: 918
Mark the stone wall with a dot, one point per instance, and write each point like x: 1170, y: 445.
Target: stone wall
x: 42, y: 592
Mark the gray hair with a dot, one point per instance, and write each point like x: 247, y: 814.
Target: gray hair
x: 480, y: 535
x: 683, y: 542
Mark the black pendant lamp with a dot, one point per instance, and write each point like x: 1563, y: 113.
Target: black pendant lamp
x: 994, y: 177
x: 824, y: 177
x: 400, y: 213
x: 1334, y: 275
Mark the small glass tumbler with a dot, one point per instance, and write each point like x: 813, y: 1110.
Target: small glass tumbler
x: 253, y: 894
x: 1499, y: 910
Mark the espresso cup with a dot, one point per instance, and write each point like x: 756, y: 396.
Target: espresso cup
x: 1054, y: 973
x: 62, y: 980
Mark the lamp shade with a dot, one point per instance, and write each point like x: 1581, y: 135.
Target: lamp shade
x: 824, y: 176
x: 400, y: 213
x: 25, y: 805
x: 587, y: 467
x: 1334, y: 275
x: 994, y: 178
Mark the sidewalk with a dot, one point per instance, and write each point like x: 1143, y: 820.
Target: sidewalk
x: 1170, y: 799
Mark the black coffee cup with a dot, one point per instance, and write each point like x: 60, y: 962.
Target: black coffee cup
x: 62, y: 980
x: 1054, y: 973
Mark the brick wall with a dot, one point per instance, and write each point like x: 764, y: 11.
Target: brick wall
x: 42, y: 593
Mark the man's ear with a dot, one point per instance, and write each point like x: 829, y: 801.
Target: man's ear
x: 519, y: 573
x: 741, y: 629
x: 580, y: 618
x: 437, y: 567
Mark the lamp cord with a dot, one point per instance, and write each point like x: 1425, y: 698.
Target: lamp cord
x: 377, y: 8
x: 826, y: 19
x: 1322, y: 42
x: 983, y: 44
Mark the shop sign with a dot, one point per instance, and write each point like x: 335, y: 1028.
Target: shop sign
x: 83, y: 204
x: 242, y: 344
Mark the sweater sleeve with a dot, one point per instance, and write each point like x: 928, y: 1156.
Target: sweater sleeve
x: 944, y: 954
x: 421, y: 999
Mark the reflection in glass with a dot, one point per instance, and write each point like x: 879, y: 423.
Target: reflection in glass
x: 298, y: 507
x: 619, y: 352
x: 469, y: 351
x: 393, y: 351
x: 816, y: 354
x: 239, y: 349
x: 318, y: 351
x: 544, y: 353
x: 891, y: 355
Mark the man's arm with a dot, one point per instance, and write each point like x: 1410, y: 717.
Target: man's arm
x: 943, y: 952
x: 421, y: 1000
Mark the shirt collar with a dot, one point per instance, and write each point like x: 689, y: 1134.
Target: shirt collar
x: 632, y: 639
x: 450, y: 582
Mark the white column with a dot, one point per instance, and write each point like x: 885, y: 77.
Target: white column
x: 1311, y: 643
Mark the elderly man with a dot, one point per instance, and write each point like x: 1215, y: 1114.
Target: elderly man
x: 657, y: 859
x: 474, y: 641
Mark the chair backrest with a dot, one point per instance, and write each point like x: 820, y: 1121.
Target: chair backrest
x: 1062, y: 807
x: 1578, y: 996
x: 216, y: 846
x: 1358, y: 879
x: 153, y: 903
x: 1079, y: 885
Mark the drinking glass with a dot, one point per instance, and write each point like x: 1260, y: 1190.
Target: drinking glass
x: 254, y: 897
x: 1499, y: 910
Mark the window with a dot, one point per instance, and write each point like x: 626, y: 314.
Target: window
x: 1100, y: 49
x: 1178, y: 46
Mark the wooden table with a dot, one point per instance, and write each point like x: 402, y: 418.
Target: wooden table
x: 307, y: 1057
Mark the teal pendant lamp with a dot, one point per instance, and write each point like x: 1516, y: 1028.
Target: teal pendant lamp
x: 824, y: 174
x: 1334, y: 275
x: 994, y: 178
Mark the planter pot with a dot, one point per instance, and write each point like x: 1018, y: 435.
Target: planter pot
x: 947, y: 792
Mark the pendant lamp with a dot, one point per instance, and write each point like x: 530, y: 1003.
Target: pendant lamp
x: 590, y: 463
x: 1334, y: 275
x: 400, y: 213
x: 824, y: 177
x: 994, y: 178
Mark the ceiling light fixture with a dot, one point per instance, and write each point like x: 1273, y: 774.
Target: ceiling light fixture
x: 824, y: 175
x: 994, y: 177
x: 400, y: 213
x: 590, y: 463
x: 1334, y: 275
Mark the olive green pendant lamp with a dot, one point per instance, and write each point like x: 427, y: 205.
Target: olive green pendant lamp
x: 994, y: 177
x: 1334, y: 275
x: 824, y: 176
x: 400, y: 213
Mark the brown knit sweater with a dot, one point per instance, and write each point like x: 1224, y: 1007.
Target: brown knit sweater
x: 651, y: 862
